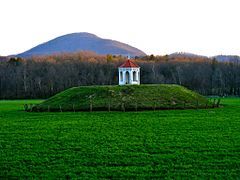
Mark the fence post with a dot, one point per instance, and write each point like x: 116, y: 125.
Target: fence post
x: 136, y: 106
x: 90, y: 98
x: 206, y: 106
x: 214, y: 101
x: 109, y: 106
x: 31, y: 106
x: 25, y: 107
x: 123, y: 107
x: 154, y: 106
x: 60, y: 107
x: 73, y: 108
x: 197, y: 105
x: 90, y: 107
x: 218, y: 102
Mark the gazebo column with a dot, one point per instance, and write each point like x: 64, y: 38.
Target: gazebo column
x: 124, y: 77
x: 138, y: 75
x: 131, y: 76
x: 119, y: 77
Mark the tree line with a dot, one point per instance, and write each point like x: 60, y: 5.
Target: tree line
x: 42, y: 77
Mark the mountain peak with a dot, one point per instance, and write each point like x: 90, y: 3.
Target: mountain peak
x: 81, y: 34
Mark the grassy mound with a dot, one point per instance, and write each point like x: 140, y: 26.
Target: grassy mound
x: 121, y: 98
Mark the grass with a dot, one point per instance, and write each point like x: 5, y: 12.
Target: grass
x: 148, y: 144
x: 123, y: 98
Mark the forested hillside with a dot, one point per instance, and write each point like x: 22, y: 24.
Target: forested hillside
x: 42, y: 77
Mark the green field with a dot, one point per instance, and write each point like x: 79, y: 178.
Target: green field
x: 149, y: 144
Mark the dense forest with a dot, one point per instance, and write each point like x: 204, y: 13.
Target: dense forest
x: 42, y: 77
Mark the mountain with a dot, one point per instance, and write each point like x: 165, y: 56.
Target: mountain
x: 227, y: 58
x: 219, y: 58
x: 185, y: 54
x: 82, y: 42
x: 3, y: 58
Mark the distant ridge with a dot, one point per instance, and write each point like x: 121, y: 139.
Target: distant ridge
x: 219, y: 58
x: 3, y: 58
x: 227, y: 58
x: 186, y: 54
x: 82, y: 42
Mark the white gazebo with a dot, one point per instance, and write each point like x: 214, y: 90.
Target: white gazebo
x: 129, y: 73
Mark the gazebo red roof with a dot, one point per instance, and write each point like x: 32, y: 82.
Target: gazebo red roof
x: 129, y: 64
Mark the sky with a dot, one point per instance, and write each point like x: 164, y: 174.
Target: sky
x: 159, y: 27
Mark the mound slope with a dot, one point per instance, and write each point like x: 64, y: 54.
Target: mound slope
x: 121, y: 98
